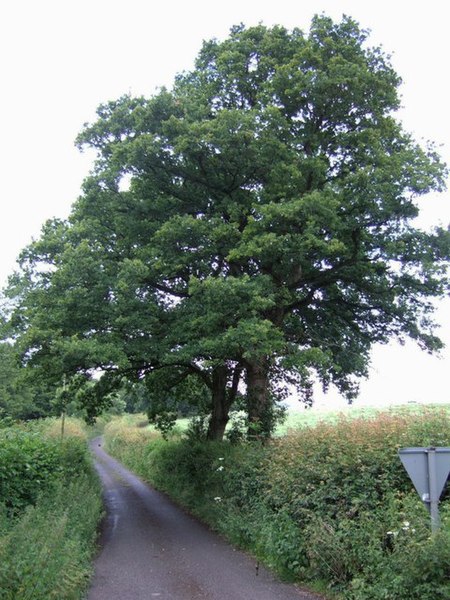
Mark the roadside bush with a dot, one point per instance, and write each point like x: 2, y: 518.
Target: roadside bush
x: 28, y: 464
x: 50, y: 505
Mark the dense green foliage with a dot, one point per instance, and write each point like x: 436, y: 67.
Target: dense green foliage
x: 20, y: 397
x: 255, y: 223
x: 331, y: 504
x: 30, y: 463
x: 49, y: 511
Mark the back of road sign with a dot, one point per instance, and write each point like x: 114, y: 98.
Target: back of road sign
x: 416, y: 463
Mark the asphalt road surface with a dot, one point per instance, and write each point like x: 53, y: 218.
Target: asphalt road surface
x: 153, y: 550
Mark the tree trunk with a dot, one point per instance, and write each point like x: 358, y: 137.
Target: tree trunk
x: 259, y: 403
x: 220, y: 404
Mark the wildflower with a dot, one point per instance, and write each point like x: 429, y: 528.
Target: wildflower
x: 220, y: 468
x: 221, y: 458
x: 217, y: 499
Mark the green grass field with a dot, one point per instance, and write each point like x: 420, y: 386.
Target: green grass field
x: 310, y: 417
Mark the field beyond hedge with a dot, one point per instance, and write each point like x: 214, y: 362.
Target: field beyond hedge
x: 328, y: 505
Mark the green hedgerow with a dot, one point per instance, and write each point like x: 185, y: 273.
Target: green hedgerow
x: 50, y: 506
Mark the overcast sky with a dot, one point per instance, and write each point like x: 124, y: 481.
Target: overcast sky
x: 61, y: 58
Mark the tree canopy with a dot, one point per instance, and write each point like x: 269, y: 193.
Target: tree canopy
x: 249, y: 228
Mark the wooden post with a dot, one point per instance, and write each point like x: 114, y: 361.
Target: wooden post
x: 63, y: 410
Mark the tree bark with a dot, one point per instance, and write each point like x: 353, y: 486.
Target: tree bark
x: 220, y: 404
x: 258, y: 399
x: 222, y: 399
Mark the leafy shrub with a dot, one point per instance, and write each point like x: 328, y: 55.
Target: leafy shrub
x: 416, y: 567
x: 50, y: 505
x: 28, y: 463
x: 197, y: 428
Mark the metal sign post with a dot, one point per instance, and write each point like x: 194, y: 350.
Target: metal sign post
x: 428, y: 469
x: 434, y: 493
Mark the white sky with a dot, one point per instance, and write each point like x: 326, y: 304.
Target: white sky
x: 61, y: 58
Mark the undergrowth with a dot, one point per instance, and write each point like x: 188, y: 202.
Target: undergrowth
x: 329, y: 504
x: 50, y: 506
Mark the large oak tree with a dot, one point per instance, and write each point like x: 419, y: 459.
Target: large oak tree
x: 255, y: 223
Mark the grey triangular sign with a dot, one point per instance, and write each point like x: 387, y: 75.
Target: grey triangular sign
x: 416, y: 463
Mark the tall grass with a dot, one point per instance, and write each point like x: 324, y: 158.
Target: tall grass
x: 330, y: 505
x: 51, y: 427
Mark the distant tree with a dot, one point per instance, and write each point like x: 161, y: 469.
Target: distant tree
x: 255, y: 222
x: 19, y: 397
x: 134, y: 396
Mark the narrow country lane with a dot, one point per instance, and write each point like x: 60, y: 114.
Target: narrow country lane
x: 151, y: 549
